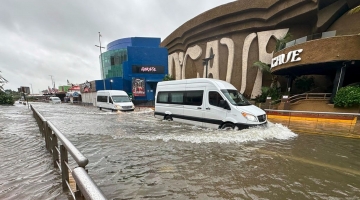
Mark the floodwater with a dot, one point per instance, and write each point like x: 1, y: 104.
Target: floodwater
x: 133, y: 155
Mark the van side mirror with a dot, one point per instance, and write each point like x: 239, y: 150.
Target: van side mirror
x: 224, y: 104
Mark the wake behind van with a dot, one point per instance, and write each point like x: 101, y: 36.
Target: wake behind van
x: 206, y: 102
x: 114, y: 100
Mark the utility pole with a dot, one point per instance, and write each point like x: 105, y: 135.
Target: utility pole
x: 101, y: 60
x: 32, y: 92
x: 52, y: 81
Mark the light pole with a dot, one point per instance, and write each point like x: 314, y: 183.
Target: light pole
x: 101, y: 62
x: 111, y: 84
x: 52, y: 82
x: 31, y: 89
x: 205, y: 62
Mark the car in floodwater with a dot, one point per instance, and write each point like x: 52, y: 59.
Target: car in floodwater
x: 55, y: 100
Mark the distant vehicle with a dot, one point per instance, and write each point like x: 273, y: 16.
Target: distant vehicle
x: 206, y: 102
x: 55, y: 100
x: 114, y: 100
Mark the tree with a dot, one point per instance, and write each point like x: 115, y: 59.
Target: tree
x: 274, y: 90
x: 168, y: 77
x: 262, y: 66
x: 280, y: 43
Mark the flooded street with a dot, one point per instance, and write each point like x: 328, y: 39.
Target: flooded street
x: 133, y: 155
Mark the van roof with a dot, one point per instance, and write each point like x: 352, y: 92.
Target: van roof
x: 112, y: 92
x: 218, y: 83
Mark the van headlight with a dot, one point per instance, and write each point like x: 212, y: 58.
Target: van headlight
x: 118, y: 106
x: 249, y: 117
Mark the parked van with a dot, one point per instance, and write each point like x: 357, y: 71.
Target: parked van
x: 206, y: 102
x: 114, y: 100
x: 54, y: 100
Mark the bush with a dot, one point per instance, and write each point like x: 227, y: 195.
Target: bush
x: 272, y: 92
x: 168, y: 77
x: 6, y: 99
x: 347, y: 97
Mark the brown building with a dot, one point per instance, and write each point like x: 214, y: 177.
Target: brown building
x: 325, y: 42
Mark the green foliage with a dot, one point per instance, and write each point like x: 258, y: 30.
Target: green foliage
x: 6, y: 99
x: 262, y: 66
x: 272, y: 92
x: 304, y: 83
x: 262, y: 97
x: 168, y: 77
x: 347, y: 96
x: 280, y: 43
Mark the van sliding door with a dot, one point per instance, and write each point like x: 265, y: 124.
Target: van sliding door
x: 194, y: 106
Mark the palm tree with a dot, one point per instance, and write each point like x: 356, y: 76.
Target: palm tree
x: 280, y: 43
x: 355, y: 10
x: 262, y: 66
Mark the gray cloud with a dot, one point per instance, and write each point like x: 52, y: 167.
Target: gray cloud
x: 42, y: 38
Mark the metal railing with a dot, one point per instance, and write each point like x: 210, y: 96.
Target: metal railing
x: 85, y: 186
x: 321, y: 96
x: 309, y: 37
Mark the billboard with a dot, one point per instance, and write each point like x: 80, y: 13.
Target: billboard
x: 138, y: 87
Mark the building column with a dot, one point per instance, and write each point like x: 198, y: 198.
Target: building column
x: 289, y: 82
x: 338, y: 81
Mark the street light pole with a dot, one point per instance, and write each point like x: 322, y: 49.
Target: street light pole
x: 206, y: 61
x: 102, y: 70
x: 31, y: 89
x: 52, y: 81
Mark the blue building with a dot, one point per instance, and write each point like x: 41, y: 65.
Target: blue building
x: 134, y: 65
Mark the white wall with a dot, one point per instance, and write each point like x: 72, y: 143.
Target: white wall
x: 89, y: 98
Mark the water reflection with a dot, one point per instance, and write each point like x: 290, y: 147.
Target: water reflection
x: 134, y: 156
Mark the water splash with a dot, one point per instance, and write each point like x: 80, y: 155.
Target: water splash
x: 195, y: 134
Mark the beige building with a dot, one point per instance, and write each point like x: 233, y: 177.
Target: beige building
x: 325, y: 42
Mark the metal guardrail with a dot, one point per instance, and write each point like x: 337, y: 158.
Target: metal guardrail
x: 85, y: 186
x: 308, y: 38
x: 295, y: 98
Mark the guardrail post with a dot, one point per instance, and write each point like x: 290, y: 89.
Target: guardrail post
x: 42, y: 123
x: 64, y: 169
x: 54, y: 149
x: 48, y: 133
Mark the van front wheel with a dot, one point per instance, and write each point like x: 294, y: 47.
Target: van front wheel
x: 228, y: 126
x: 168, y: 118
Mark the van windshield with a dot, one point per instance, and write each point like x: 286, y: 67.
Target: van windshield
x: 118, y: 99
x: 235, y: 98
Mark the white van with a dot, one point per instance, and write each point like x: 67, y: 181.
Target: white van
x: 206, y: 102
x: 54, y: 100
x: 114, y: 100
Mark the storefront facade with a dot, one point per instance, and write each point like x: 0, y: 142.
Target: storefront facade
x: 134, y: 65
x: 236, y: 35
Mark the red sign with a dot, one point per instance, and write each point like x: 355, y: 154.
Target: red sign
x: 138, y: 87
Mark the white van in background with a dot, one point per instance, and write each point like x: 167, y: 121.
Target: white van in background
x: 114, y: 100
x: 206, y: 102
x: 55, y: 100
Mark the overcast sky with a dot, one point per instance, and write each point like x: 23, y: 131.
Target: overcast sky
x: 42, y: 38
